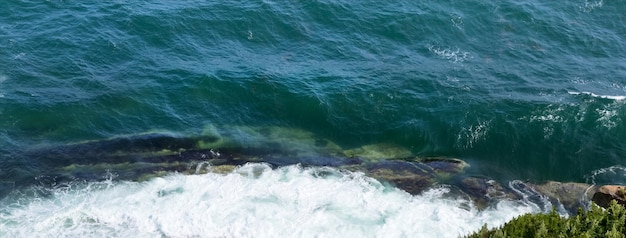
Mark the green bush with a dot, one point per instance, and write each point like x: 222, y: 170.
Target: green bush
x: 597, y: 222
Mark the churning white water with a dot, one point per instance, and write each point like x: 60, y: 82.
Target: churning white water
x: 252, y: 201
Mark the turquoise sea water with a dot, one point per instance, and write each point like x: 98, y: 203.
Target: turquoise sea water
x: 521, y: 90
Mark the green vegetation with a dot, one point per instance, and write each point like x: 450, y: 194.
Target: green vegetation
x: 597, y: 222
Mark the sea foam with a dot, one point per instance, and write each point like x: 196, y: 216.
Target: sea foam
x: 252, y: 201
x: 2, y: 79
x: 452, y: 55
x: 613, y: 97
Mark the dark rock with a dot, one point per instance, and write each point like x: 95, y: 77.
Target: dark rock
x: 447, y: 169
x: 411, y: 177
x: 607, y: 193
x: 445, y: 165
x: 484, y: 191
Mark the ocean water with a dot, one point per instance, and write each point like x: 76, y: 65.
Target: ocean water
x: 520, y: 90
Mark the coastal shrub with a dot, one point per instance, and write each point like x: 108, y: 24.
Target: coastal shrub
x: 597, y: 222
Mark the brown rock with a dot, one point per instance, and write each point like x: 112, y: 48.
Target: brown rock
x: 570, y: 195
x: 607, y: 193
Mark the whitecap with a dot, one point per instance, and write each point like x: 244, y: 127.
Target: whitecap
x: 452, y: 55
x: 589, y: 6
x: 617, y: 97
x: 2, y: 79
x: 252, y: 201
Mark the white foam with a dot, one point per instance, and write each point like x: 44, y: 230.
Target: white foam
x: 607, y: 117
x: 551, y: 117
x: 455, y: 56
x: 253, y: 201
x: 2, y: 79
x: 615, y: 174
x: 467, y: 137
x: 617, y: 98
x: 552, y: 114
x: 607, y: 114
x: 590, y: 6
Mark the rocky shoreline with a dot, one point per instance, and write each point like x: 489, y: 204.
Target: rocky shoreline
x: 141, y: 157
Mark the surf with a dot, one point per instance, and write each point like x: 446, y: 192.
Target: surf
x: 253, y: 200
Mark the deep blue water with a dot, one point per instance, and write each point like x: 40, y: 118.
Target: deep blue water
x: 526, y: 90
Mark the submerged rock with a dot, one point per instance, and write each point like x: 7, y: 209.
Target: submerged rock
x: 485, y: 191
x: 144, y: 156
x: 445, y: 165
x: 376, y: 152
x: 446, y: 168
x: 288, y: 141
x: 228, y: 145
x: 411, y: 177
x: 607, y: 193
